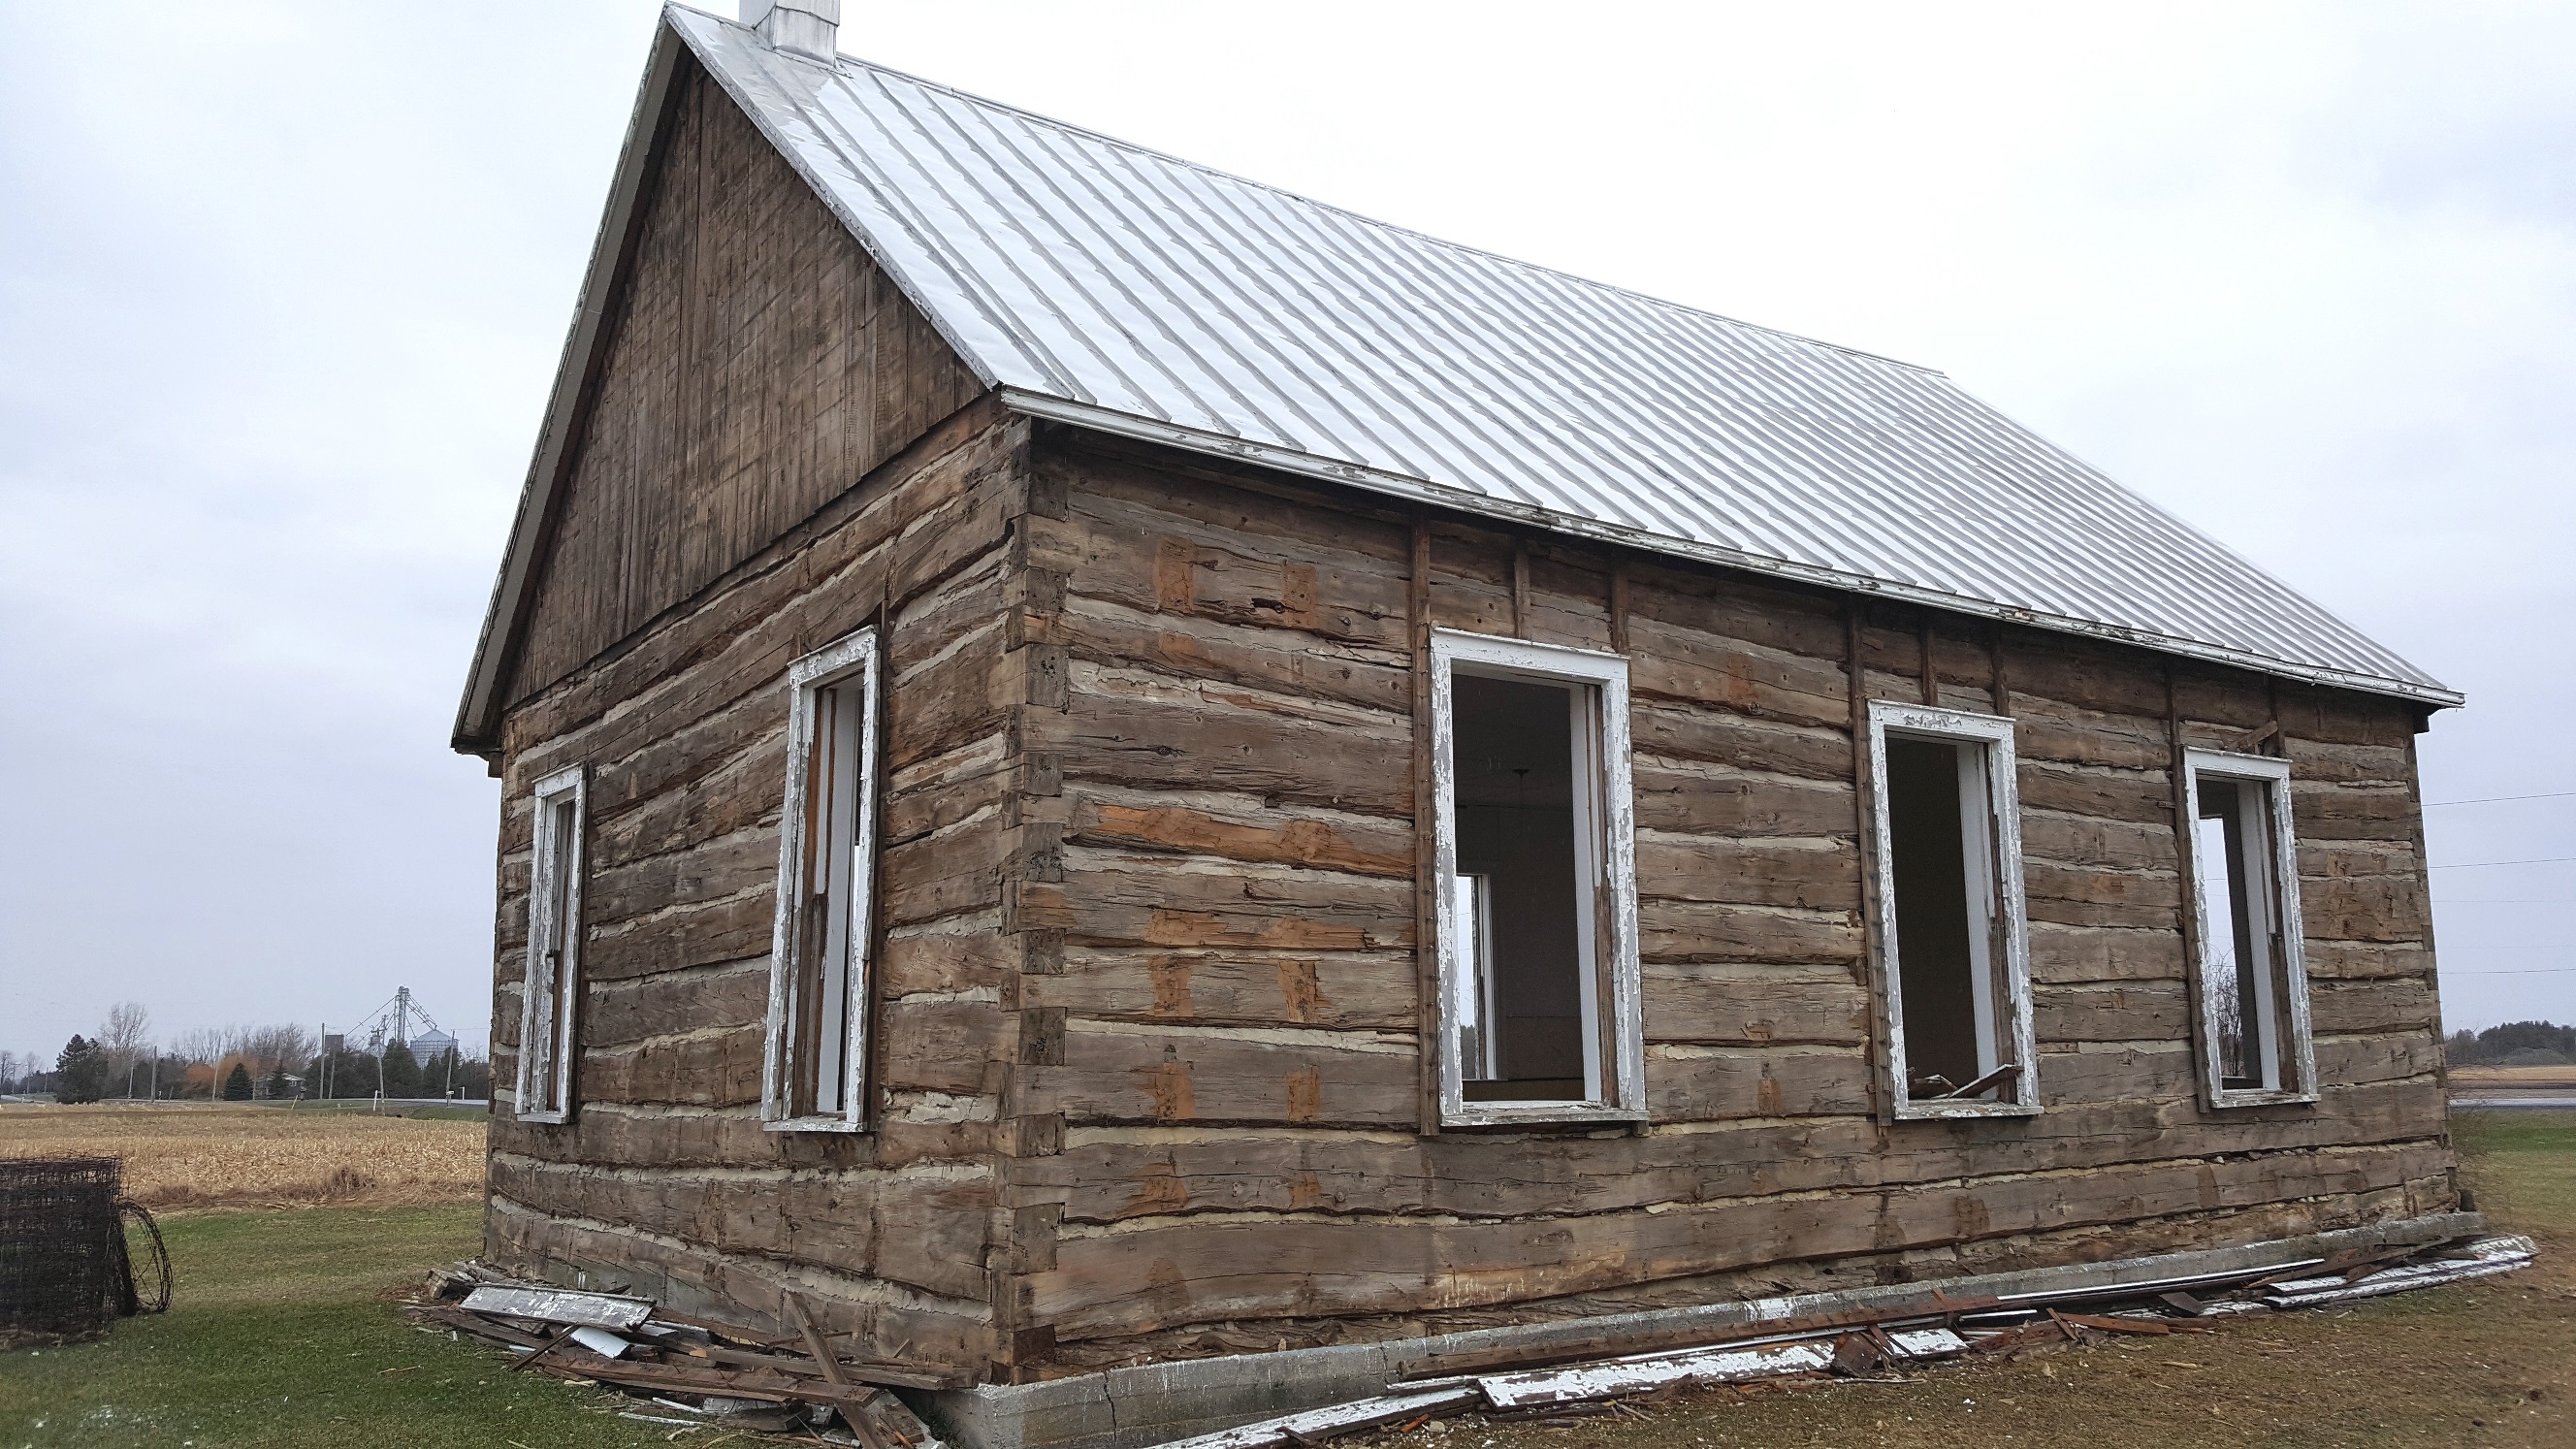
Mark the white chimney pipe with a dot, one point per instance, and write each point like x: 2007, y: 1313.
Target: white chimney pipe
x: 803, y: 26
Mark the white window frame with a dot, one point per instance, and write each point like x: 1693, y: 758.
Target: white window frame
x: 1999, y: 766
x: 1605, y: 824
x: 2272, y: 777
x: 855, y: 658
x: 546, y: 1045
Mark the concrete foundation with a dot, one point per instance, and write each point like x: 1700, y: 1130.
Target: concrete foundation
x: 1130, y: 1408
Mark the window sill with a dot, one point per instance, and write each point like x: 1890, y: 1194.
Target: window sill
x: 2219, y: 1101
x: 1940, y: 1111
x: 545, y: 1119
x: 814, y: 1124
x: 1540, y: 1114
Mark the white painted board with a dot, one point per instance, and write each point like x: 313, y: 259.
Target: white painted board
x: 560, y: 1305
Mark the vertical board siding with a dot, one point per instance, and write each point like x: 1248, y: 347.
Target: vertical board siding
x: 1238, y: 1061
x: 758, y: 364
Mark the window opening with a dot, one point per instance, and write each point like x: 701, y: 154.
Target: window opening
x: 815, y: 1074
x: 1474, y: 905
x: 1537, y: 931
x: 1951, y: 933
x: 2252, y: 976
x: 550, y: 987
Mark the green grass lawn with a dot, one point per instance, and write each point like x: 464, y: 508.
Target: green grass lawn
x: 283, y: 1335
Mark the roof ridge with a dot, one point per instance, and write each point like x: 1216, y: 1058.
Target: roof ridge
x: 840, y: 61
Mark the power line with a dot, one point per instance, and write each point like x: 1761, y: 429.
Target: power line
x: 2489, y: 901
x: 2500, y: 799
x: 2482, y: 864
x: 2527, y: 971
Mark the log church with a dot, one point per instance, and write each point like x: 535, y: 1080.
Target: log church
x: 1107, y: 766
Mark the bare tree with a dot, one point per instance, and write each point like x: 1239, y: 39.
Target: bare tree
x: 199, y: 1046
x: 124, y: 1038
x: 269, y: 1048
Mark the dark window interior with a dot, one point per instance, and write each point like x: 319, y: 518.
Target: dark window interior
x: 1937, y: 955
x: 1513, y: 751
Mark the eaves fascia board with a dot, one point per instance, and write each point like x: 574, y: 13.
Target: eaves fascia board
x: 1420, y: 490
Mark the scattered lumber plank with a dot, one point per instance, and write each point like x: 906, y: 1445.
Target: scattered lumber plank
x: 557, y: 1305
x: 2482, y: 1259
x: 1654, y: 1371
x: 1316, y: 1425
x: 2101, y: 1323
x: 477, y: 1324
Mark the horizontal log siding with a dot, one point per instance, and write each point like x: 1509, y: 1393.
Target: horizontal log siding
x: 664, y: 1181
x: 1233, y: 1068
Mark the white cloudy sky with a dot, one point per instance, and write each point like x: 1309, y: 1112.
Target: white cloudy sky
x: 282, y: 287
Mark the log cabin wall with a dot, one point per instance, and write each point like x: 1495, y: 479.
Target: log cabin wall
x: 665, y: 1180
x: 780, y: 452
x: 1231, y: 1051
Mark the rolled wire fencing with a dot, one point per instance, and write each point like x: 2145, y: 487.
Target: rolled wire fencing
x: 67, y: 1269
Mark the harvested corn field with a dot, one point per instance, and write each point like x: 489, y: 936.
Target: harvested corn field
x: 227, y: 1156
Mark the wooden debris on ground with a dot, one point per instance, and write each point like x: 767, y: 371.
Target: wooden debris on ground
x: 689, y: 1366
x: 555, y: 1305
x: 763, y: 1384
x: 2482, y: 1259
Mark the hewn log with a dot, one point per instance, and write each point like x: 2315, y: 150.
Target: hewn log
x: 1233, y: 828
x: 875, y: 1319
x: 2071, y: 954
x: 1109, y: 1174
x: 1715, y: 931
x: 1118, y: 899
x: 1683, y: 798
x: 1706, y: 734
x: 1237, y: 987
x: 2127, y: 1012
x: 1709, y: 1084
x: 1137, y: 731
x: 618, y: 1012
x: 1811, y: 874
x: 1205, y: 1269
x: 1125, y: 1074
x: 1740, y: 1003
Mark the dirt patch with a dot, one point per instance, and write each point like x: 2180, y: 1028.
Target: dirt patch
x: 203, y: 1156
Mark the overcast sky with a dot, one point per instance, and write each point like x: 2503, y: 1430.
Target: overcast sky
x: 282, y: 287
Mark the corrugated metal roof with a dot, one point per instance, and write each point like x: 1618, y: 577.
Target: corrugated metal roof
x: 1125, y: 289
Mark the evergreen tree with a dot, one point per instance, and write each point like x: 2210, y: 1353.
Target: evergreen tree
x: 402, y: 1071
x: 80, y: 1072
x: 237, y: 1084
x: 277, y: 1087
